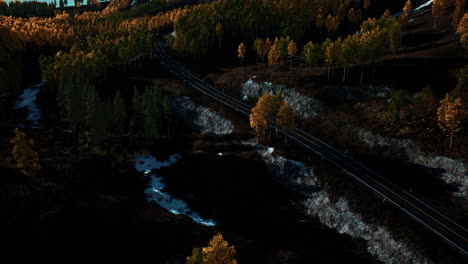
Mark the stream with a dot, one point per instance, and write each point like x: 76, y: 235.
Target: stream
x: 147, y: 164
x: 27, y: 100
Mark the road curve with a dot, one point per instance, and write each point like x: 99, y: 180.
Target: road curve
x: 453, y: 233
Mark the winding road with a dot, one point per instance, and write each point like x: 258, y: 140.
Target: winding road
x: 454, y: 234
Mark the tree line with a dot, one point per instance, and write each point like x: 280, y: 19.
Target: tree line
x: 202, y: 26
x: 376, y: 36
x: 27, y: 9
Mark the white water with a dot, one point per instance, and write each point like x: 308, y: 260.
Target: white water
x: 147, y: 164
x: 26, y: 100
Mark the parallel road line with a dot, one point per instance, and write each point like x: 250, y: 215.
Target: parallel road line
x: 450, y: 231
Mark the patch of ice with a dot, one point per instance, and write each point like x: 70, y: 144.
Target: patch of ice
x: 26, y: 100
x: 147, y: 164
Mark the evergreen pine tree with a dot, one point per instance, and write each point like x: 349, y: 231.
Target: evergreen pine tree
x: 167, y: 109
x: 258, y: 47
x: 397, y: 104
x: 425, y: 102
x: 136, y: 123
x: 119, y: 113
x: 461, y: 90
x: 151, y: 102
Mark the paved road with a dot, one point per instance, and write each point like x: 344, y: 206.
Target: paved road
x: 454, y: 234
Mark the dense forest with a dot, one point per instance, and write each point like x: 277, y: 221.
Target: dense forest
x: 108, y: 91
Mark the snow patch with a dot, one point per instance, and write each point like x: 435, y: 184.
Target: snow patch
x: 147, y: 164
x: 202, y: 118
x: 336, y: 213
x: 455, y: 171
x: 305, y: 107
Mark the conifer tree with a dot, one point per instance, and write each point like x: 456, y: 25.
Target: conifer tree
x: 461, y: 90
x: 24, y: 154
x: 241, y: 52
x: 426, y: 101
x: 219, y: 251
x: 394, y: 36
x: 258, y: 48
x: 98, y: 116
x: 152, y: 100
x: 219, y: 33
x: 136, y: 124
x: 286, y: 118
x: 398, y: 101
x: 307, y: 53
x: 74, y: 101
x: 119, y: 113
x: 167, y: 108
x: 449, y: 115
x: 101, y: 120
x: 283, y: 44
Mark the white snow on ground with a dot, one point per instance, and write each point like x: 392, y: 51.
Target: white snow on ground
x: 336, y: 213
x: 423, y: 5
x: 305, y: 107
x: 456, y: 171
x: 147, y: 164
x: 27, y: 100
x: 204, y: 120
